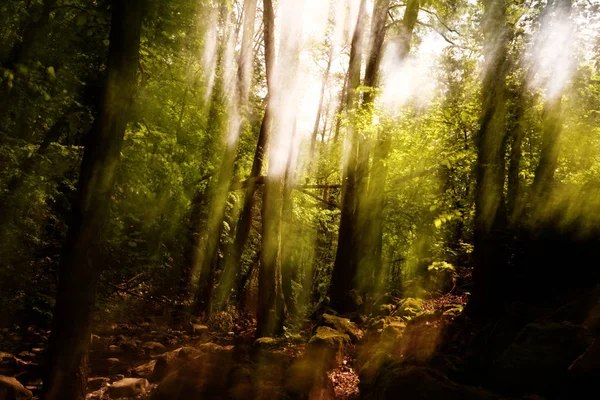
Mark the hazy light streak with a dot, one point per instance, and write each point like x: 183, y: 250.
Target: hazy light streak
x: 551, y: 52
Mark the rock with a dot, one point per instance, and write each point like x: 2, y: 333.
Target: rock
x: 206, y: 377
x: 588, y: 364
x: 441, y: 277
x: 343, y: 325
x: 304, y: 381
x: 539, y: 358
x: 144, y: 370
x: 384, y: 309
x: 266, y: 343
x: 199, y: 329
x: 170, y: 361
x: 354, y: 299
x: 418, y: 383
x: 128, y: 387
x: 409, y: 307
x: 327, y: 346
x: 96, y: 383
x: 154, y: 348
x: 12, y: 389
x: 26, y: 355
x: 210, y: 347
x: 9, y: 364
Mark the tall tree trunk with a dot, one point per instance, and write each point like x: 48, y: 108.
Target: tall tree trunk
x: 313, y: 139
x: 544, y: 173
x: 271, y: 305
x: 490, y: 211
x: 66, y: 377
x: 232, y: 277
x: 346, y: 257
x: 516, y: 133
x: 208, y: 257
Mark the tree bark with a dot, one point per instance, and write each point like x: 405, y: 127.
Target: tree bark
x: 346, y: 258
x: 379, y: 169
x: 66, y: 377
x: 232, y: 276
x: 490, y: 209
x: 271, y: 309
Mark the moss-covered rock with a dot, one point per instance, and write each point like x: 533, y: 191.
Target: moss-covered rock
x: 409, y: 307
x: 343, y: 325
x: 266, y: 343
x: 327, y: 346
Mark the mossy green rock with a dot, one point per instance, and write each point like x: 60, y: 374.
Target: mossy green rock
x: 409, y: 307
x: 327, y: 346
x: 343, y: 325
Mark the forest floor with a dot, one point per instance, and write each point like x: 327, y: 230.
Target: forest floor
x: 131, y: 353
x: 424, y: 348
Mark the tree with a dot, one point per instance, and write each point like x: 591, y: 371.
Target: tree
x: 83, y: 249
x: 346, y: 258
x: 271, y: 309
x: 490, y: 211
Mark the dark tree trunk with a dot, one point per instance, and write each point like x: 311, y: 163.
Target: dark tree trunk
x: 346, y: 258
x: 490, y: 209
x: 271, y: 309
x: 82, y: 260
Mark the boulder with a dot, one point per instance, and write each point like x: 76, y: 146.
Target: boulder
x: 539, y: 359
x: 304, y: 381
x: 170, y: 361
x: 343, y: 325
x: 128, y: 387
x: 418, y: 383
x: 12, y: 389
x: 588, y: 364
x: 144, y: 370
x: 327, y: 346
x: 205, y: 377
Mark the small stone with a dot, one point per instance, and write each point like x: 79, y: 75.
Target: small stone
x: 154, y: 347
x: 199, y: 329
x: 114, y: 349
x: 96, y: 383
x: 128, y: 387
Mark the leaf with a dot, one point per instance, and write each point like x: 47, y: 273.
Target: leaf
x: 437, y: 223
x: 51, y: 72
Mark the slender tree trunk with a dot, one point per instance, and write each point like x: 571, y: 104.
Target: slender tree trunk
x: 66, y: 377
x: 513, y: 192
x: 379, y: 169
x: 313, y: 140
x: 232, y: 277
x: 271, y: 309
x: 490, y: 211
x: 551, y: 130
x: 346, y: 258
